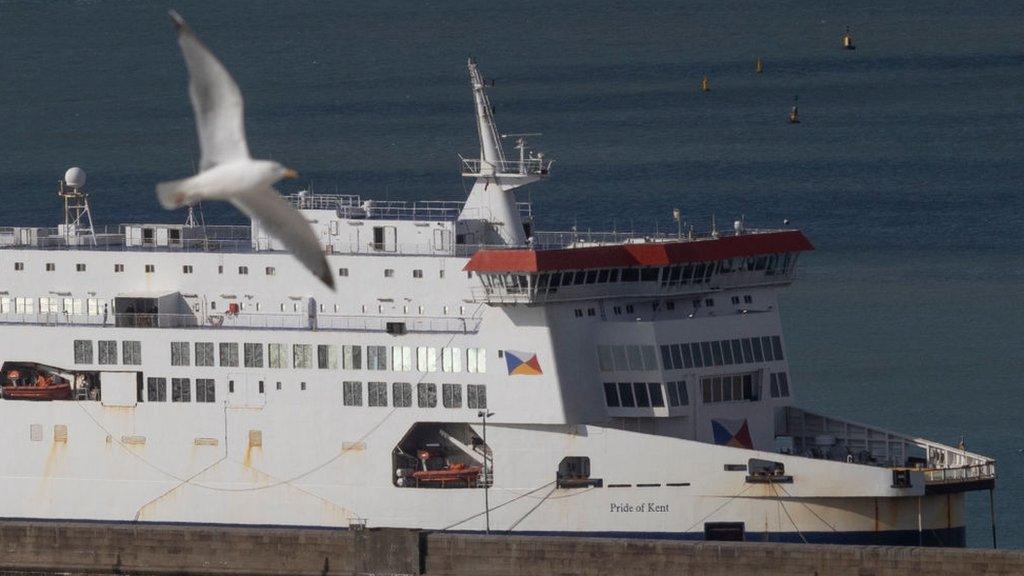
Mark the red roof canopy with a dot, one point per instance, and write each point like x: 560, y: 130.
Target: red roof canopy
x: 646, y: 254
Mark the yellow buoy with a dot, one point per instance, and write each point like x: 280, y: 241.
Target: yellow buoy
x: 794, y: 113
x: 759, y: 66
x: 705, y: 84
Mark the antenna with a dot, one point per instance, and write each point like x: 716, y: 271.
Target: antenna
x: 77, y: 216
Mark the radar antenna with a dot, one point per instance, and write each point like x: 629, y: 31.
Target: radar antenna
x: 77, y: 216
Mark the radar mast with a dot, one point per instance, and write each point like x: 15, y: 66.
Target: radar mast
x: 77, y: 216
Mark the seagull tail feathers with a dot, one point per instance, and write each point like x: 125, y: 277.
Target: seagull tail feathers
x: 173, y: 194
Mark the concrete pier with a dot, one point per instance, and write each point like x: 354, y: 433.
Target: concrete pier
x: 158, y: 549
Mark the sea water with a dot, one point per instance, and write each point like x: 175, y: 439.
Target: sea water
x: 906, y: 171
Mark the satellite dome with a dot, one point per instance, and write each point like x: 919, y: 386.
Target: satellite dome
x: 75, y: 177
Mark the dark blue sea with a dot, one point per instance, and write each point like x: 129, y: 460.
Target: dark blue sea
x: 906, y: 171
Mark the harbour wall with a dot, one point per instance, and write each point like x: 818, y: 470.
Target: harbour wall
x: 101, y: 548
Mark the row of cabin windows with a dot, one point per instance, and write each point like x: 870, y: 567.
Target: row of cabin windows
x: 331, y: 357
x: 617, y: 358
x: 731, y: 388
x: 181, y: 390
x: 670, y: 305
x: 131, y: 352
x: 401, y: 395
x: 721, y: 352
x: 53, y: 305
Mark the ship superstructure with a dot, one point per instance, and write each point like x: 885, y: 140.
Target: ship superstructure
x: 470, y: 373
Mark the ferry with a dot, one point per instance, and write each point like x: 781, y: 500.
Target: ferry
x: 471, y: 373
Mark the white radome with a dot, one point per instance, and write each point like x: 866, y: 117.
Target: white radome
x: 227, y: 171
x: 75, y: 177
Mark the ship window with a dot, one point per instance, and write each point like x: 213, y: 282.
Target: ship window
x: 730, y: 388
x: 426, y: 395
x: 451, y: 359
x: 591, y: 277
x: 666, y: 357
x: 401, y: 358
x: 401, y: 394
x: 80, y: 267
x: 451, y: 395
x: 578, y: 313
x: 777, y: 347
x: 150, y: 268
x: 302, y: 356
x: 643, y: 400
x: 19, y: 266
x: 205, y: 390
x: 440, y: 273
x: 726, y: 352
x: 748, y: 354
x: 426, y: 359
x: 220, y: 269
x: 278, y: 385
x: 260, y: 389
x: 630, y: 275
x: 737, y: 351
x: 83, y: 351
x: 476, y: 396
x: 343, y: 272
x: 231, y: 386
x: 229, y: 354
x: 351, y: 357
x: 376, y: 394
x: 758, y: 353
x: 417, y: 273
x: 277, y: 355
x: 591, y: 312
x: 617, y: 310
x: 50, y: 267
x: 302, y: 386
x: 108, y: 351
x: 611, y: 395
x: 180, y: 354
x: 156, y: 389
x: 779, y: 385
x: 650, y: 360
x: 186, y: 269
x: 243, y: 270
x: 657, y: 398
x: 204, y: 353
x: 677, y: 357
x: 181, y: 390
x: 604, y: 358
x: 716, y: 348
x: 376, y: 357
x: 389, y: 273
x: 626, y: 395
x: 709, y: 302
x: 131, y: 351
x: 705, y: 349
x: 673, y: 393
x: 253, y: 355
x: 748, y: 299
x: 326, y: 357
x: 629, y: 308
x: 635, y: 360
x: 476, y: 360
x: 735, y: 299
x: 649, y: 274
x: 619, y: 356
x: 352, y: 393
x: 670, y: 305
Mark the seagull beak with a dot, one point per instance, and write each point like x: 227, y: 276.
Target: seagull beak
x: 289, y: 173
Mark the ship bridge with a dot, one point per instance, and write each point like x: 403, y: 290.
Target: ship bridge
x: 561, y: 267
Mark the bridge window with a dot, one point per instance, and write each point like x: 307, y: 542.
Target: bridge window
x: 376, y: 357
x: 277, y: 355
x: 611, y: 395
x: 108, y: 351
x: 451, y: 395
x: 476, y: 396
x: 626, y: 395
x: 351, y: 357
x: 302, y: 356
x: 677, y: 395
x: 731, y: 388
x: 131, y: 351
x: 181, y: 390
x: 253, y: 355
x: 326, y: 357
x: 779, y: 385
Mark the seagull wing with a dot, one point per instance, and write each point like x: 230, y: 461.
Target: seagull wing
x: 216, y: 101
x: 285, y: 223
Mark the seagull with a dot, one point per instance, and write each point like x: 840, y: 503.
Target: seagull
x: 226, y: 170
